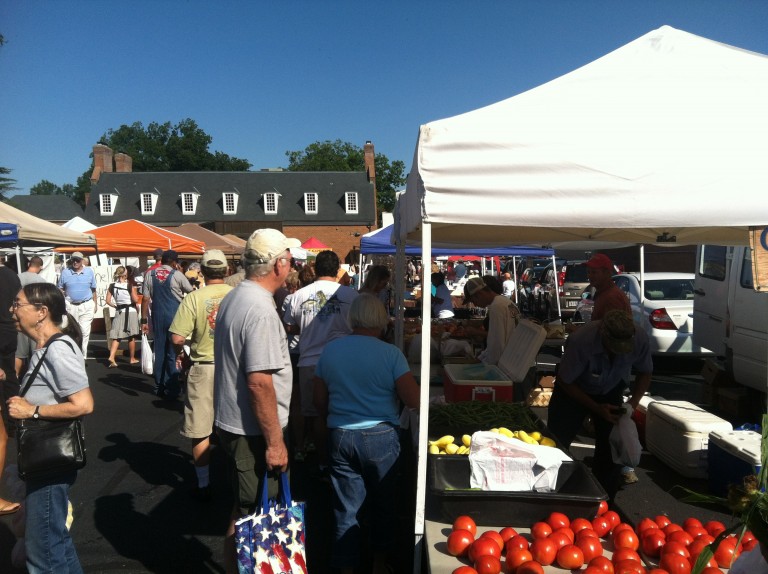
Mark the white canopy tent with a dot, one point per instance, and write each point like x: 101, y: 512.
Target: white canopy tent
x: 662, y: 141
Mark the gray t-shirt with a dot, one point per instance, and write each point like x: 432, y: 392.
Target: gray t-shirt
x: 28, y: 277
x: 249, y: 338
x: 61, y: 374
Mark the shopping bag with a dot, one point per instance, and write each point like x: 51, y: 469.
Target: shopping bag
x: 625, y: 444
x: 147, y: 356
x: 272, y: 539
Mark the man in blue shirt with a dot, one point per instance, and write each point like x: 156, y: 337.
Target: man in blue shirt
x: 78, y: 283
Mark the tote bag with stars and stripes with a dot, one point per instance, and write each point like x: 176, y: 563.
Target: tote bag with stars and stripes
x: 271, y: 541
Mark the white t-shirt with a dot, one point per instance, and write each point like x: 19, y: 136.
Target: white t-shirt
x: 320, y: 310
x: 509, y: 288
x: 443, y: 310
x: 503, y: 317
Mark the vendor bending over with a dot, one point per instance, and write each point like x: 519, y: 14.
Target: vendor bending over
x: 594, y: 373
x: 502, y: 316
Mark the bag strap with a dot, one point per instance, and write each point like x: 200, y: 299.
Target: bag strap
x: 284, y: 493
x: 39, y: 364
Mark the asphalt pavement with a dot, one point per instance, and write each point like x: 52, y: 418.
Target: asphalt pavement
x: 133, y: 513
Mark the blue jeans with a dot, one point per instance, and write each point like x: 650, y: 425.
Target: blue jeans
x: 363, y: 464
x: 49, y: 547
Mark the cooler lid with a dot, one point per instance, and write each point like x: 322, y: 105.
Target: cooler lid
x: 521, y: 350
x: 743, y: 444
x: 687, y: 416
x: 474, y: 373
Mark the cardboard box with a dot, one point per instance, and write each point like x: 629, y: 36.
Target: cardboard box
x: 733, y: 401
x: 714, y: 374
x: 547, y: 382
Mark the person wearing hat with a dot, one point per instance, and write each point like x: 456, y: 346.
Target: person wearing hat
x: 594, y: 372
x: 502, y: 315
x: 608, y: 296
x: 158, y: 255
x: 163, y: 290
x: 78, y: 283
x: 196, y: 321
x: 253, y: 375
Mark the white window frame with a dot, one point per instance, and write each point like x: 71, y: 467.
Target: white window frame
x: 192, y: 195
x: 234, y: 197
x: 271, y: 196
x: 351, y: 203
x: 152, y: 202
x: 107, y: 203
x: 311, y: 198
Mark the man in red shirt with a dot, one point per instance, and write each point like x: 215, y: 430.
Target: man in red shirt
x: 607, y: 296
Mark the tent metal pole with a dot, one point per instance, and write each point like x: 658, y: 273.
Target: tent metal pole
x: 514, y: 277
x: 557, y: 287
x: 426, y: 347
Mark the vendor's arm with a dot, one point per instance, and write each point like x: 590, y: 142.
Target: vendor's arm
x: 264, y: 404
x: 603, y: 410
x: 642, y: 384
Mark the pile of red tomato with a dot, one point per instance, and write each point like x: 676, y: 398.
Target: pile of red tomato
x: 572, y: 544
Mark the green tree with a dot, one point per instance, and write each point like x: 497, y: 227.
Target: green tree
x: 7, y: 184
x: 344, y: 156
x: 45, y: 187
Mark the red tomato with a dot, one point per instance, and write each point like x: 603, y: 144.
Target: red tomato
x: 657, y: 571
x: 603, y: 563
x: 590, y: 547
x: 488, y: 564
x: 676, y: 548
x: 543, y: 551
x: 465, y: 570
x: 696, y: 548
x: 586, y: 533
x: 652, y: 542
x: 714, y: 527
x: 567, y: 531
x: 688, y: 522
x: 747, y: 536
x: 646, y: 524
x: 594, y: 570
x: 465, y: 522
x: 625, y: 539
x: 560, y: 539
x: 601, y: 525
x: 625, y: 554
x: 495, y: 536
x: 558, y: 520
x: 749, y: 544
x: 459, y: 542
x: 680, y: 536
x: 671, y: 527
x: 603, y: 508
x: 697, y: 532
x: 662, y: 520
x: 541, y: 530
x: 726, y: 553
x: 675, y: 564
x: 580, y: 524
x: 711, y: 570
x: 517, y: 542
x: 483, y: 546
x: 613, y: 517
x: 507, y: 533
x: 628, y: 567
x: 531, y: 567
x: 515, y: 557
x: 570, y: 557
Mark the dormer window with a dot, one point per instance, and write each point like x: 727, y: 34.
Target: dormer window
x: 270, y: 202
x: 149, y: 203
x: 189, y: 202
x: 310, y: 203
x: 229, y: 201
x: 351, y: 201
x: 107, y: 203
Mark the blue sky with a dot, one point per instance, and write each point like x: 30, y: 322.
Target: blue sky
x: 265, y: 77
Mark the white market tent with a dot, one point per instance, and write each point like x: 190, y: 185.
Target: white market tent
x: 77, y: 223
x: 663, y: 140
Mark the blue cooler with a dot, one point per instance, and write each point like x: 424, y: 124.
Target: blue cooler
x: 732, y: 456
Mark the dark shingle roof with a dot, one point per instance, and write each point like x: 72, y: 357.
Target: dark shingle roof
x: 55, y: 208
x: 330, y: 187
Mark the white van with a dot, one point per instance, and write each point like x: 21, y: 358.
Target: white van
x: 731, y: 318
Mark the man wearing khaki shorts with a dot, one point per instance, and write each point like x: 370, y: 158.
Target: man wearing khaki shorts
x: 195, y: 320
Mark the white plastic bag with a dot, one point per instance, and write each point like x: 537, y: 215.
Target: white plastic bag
x: 625, y: 444
x: 147, y: 356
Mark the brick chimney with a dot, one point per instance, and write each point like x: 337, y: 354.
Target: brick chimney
x: 102, y: 161
x: 370, y: 168
x: 123, y: 163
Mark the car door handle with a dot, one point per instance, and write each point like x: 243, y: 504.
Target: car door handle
x: 699, y: 291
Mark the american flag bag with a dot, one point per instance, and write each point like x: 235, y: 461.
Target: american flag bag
x: 271, y: 540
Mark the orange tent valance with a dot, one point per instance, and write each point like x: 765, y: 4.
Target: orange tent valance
x: 135, y: 237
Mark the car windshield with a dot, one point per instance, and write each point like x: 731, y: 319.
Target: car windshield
x: 669, y: 289
x: 576, y: 274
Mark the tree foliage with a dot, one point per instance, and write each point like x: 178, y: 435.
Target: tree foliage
x: 7, y: 184
x: 165, y: 147
x: 344, y: 156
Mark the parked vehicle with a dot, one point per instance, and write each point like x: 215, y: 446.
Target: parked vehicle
x: 572, y: 284
x: 664, y: 308
x: 731, y: 317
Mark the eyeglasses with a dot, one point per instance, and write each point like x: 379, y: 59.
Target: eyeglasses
x: 288, y: 259
x: 16, y: 304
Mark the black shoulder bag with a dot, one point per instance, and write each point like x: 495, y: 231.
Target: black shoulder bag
x: 48, y: 447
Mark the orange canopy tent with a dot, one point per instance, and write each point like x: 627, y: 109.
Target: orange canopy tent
x: 135, y: 237
x: 314, y: 245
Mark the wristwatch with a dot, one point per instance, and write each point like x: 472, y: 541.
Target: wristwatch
x: 36, y: 414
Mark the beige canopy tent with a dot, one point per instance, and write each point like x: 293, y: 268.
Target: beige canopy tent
x: 211, y: 239
x: 33, y: 230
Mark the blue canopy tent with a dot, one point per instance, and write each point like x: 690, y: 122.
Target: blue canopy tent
x: 9, y: 233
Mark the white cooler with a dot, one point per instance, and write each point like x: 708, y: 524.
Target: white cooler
x: 640, y: 415
x: 677, y: 433
x: 732, y: 456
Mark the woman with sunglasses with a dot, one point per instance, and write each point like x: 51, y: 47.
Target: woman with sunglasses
x: 59, y: 390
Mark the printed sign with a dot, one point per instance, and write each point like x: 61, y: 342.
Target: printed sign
x: 758, y: 241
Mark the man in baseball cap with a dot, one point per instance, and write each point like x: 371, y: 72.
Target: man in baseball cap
x: 266, y: 244
x: 600, y: 270
x: 78, y: 283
